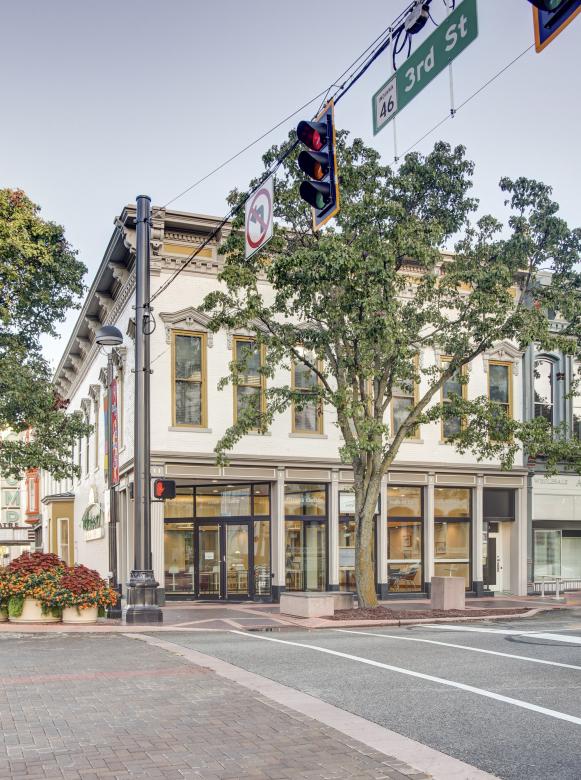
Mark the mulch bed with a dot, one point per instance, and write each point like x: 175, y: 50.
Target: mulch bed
x: 384, y: 613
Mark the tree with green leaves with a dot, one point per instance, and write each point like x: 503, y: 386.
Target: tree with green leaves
x: 40, y: 279
x: 357, y: 302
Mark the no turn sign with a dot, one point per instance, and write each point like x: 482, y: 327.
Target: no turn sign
x: 258, y: 213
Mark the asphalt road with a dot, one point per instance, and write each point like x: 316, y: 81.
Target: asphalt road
x: 513, y: 710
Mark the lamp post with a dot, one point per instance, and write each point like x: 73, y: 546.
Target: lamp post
x: 142, y: 606
x: 110, y: 336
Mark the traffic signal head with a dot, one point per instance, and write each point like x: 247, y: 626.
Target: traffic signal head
x: 164, y: 488
x: 321, y: 190
x: 548, y: 5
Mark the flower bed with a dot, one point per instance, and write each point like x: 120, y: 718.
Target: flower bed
x: 39, y: 586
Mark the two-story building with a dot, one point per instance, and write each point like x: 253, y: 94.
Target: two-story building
x: 280, y: 514
x: 19, y: 511
x: 554, y: 505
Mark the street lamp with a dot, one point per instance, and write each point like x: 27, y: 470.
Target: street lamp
x: 110, y: 336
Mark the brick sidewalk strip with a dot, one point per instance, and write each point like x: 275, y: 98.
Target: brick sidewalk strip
x: 106, y: 706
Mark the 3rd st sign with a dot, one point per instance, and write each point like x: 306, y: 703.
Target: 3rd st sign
x: 431, y: 58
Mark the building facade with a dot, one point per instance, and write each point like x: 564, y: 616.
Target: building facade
x: 279, y: 516
x: 19, y: 512
x: 554, y: 521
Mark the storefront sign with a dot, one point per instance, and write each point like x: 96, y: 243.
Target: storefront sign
x: 92, y: 519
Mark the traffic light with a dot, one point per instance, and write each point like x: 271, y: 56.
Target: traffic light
x: 164, y: 488
x: 321, y: 190
x: 548, y: 5
x: 551, y: 17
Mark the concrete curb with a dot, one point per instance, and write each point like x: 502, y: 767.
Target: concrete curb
x: 406, y: 751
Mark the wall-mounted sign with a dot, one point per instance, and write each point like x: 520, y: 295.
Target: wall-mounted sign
x: 92, y: 520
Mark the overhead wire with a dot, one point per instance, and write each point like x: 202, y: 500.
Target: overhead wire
x: 340, y: 92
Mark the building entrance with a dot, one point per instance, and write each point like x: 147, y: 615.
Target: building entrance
x: 224, y: 560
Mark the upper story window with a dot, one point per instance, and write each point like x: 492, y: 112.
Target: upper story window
x: 249, y: 389
x: 404, y: 398
x: 500, y: 391
x: 544, y: 390
x: 452, y: 387
x: 189, y: 379
x: 309, y: 418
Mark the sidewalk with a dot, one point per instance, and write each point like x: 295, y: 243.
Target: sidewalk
x: 220, y: 616
x: 91, y: 706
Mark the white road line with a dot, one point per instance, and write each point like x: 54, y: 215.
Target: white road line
x: 572, y: 640
x: 525, y: 705
x: 460, y: 647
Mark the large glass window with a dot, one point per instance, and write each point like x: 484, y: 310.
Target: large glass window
x: 347, y: 540
x: 404, y: 538
x: 223, y: 501
x: 308, y: 418
x: 180, y: 506
x: 500, y: 391
x: 452, y: 387
x: 305, y: 499
x: 179, y: 560
x: 249, y: 387
x: 262, y: 579
x: 571, y: 554
x: 543, y: 387
x: 189, y: 356
x: 547, y: 553
x: 452, y: 533
x: 305, y: 536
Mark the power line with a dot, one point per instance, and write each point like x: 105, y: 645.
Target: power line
x: 468, y: 99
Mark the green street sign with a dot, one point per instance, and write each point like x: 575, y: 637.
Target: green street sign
x: 447, y: 41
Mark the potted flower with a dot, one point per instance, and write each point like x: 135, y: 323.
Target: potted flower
x: 83, y: 595
x: 4, y: 594
x: 33, y: 579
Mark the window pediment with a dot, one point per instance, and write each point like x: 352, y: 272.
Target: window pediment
x: 189, y: 319
x: 505, y: 352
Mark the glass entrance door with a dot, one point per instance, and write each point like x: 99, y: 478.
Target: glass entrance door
x: 209, y: 561
x: 237, y: 563
x: 224, y: 560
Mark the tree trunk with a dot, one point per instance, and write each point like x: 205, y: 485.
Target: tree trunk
x: 364, y: 568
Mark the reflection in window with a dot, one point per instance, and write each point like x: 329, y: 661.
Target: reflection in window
x: 188, y: 362
x: 262, y: 578
x: 305, y: 499
x: 543, y: 388
x: 452, y: 533
x: 404, y: 538
x: 347, y: 540
x: 249, y: 387
x: 305, y: 555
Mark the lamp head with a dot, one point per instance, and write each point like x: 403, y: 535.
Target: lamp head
x: 109, y: 336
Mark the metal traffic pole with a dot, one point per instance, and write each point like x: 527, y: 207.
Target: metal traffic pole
x: 142, y: 606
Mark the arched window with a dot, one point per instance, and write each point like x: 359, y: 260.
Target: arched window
x: 544, y: 391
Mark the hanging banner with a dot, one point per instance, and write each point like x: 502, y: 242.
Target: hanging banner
x: 106, y: 436
x: 258, y: 217
x: 114, y: 435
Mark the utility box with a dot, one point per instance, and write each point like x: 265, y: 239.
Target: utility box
x: 448, y: 593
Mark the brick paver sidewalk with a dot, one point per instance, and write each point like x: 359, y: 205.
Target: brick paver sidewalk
x: 95, y: 706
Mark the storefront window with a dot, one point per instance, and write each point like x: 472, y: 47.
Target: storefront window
x: 305, y: 499
x: 452, y: 533
x: 306, y: 555
x: 262, y: 558
x: 179, y: 557
x: 223, y: 501
x: 180, y: 506
x: 571, y: 554
x: 347, y: 540
x: 261, y: 494
x: 404, y: 539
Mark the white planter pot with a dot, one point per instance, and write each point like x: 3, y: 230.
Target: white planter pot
x: 32, y: 613
x: 76, y: 615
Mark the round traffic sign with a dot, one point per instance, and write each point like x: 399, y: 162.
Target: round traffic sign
x: 259, y: 218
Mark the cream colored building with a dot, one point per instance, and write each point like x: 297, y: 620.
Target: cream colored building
x: 279, y: 516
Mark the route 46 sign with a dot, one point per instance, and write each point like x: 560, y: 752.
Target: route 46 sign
x: 447, y: 41
x: 258, y: 217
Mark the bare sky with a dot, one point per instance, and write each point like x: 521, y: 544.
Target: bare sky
x: 106, y: 100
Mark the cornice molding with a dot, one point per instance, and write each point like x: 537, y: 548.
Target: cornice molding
x: 189, y: 319
x: 506, y: 352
